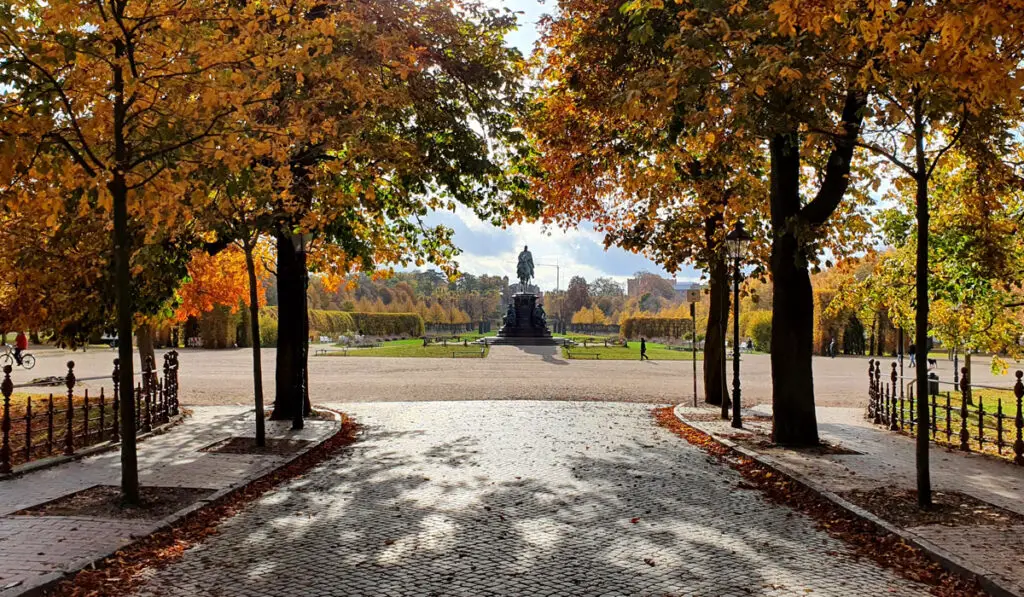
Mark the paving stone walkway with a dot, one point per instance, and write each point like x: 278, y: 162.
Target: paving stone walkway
x: 887, y: 459
x: 34, y: 549
x: 518, y: 498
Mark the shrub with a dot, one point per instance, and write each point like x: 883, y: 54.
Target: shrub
x: 760, y: 330
x: 339, y: 323
x: 389, y: 324
x: 656, y: 327
x: 268, y: 331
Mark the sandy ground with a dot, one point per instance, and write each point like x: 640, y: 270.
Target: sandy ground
x: 509, y: 373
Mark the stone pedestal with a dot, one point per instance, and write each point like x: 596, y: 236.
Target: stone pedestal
x: 524, y: 330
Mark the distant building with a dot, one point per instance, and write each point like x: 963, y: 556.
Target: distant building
x: 641, y: 285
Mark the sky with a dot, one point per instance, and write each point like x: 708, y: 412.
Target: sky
x: 577, y: 252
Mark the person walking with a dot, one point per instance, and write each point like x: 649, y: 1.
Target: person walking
x: 643, y: 350
x: 20, y: 346
x: 832, y: 348
x: 912, y: 351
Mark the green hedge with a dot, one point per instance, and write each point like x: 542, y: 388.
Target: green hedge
x: 656, y: 327
x: 337, y: 323
x: 389, y: 324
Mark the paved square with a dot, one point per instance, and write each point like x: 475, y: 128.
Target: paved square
x: 519, y: 498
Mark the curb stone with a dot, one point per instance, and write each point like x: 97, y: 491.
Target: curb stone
x: 39, y: 586
x: 947, y: 560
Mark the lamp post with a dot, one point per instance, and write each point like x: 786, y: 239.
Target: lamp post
x: 301, y: 241
x: 737, y: 240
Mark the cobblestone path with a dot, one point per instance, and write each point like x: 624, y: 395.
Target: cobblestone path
x: 519, y: 498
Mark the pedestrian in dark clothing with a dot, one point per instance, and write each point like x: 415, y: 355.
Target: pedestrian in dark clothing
x: 832, y: 348
x: 912, y: 351
x: 643, y: 350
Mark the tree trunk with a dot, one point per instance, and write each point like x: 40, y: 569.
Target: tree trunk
x: 924, y: 483
x: 715, y: 389
x: 122, y: 279
x: 254, y: 326
x: 794, y: 420
x: 291, y: 331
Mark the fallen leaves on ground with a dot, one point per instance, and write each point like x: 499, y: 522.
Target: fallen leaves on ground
x: 865, y: 538
x: 119, y: 574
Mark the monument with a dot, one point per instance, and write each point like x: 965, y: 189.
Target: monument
x: 525, y: 321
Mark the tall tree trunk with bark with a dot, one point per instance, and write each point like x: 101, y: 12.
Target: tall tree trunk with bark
x: 793, y: 305
x: 715, y: 387
x: 794, y: 226
x: 254, y: 323
x: 924, y: 482
x: 291, y: 334
x: 118, y: 187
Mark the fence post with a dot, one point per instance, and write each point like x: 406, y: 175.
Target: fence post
x: 175, y: 368
x: 28, y: 429
x: 69, y: 433
x: 115, y: 432
x: 894, y: 425
x: 873, y: 393
x: 103, y: 408
x: 949, y: 418
x: 1018, y: 446
x: 981, y: 422
x: 49, y: 425
x: 878, y: 381
x: 965, y: 435
x: 999, y: 426
x: 7, y: 388
x: 85, y: 418
x: 138, y: 406
x: 149, y: 389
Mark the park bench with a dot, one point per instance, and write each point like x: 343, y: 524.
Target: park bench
x: 325, y: 352
x: 475, y: 353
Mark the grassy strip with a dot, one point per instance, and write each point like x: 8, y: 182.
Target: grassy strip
x: 120, y: 573
x: 867, y: 540
x: 657, y: 352
x: 415, y: 350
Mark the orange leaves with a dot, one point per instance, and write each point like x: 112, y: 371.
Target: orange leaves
x: 215, y: 280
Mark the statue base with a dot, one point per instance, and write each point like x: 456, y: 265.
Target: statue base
x: 524, y: 331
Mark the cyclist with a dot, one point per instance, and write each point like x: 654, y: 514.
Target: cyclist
x: 20, y: 346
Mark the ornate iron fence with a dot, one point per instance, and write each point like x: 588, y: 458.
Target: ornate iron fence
x: 62, y: 424
x: 965, y: 418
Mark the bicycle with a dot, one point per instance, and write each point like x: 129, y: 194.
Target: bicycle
x: 27, y: 360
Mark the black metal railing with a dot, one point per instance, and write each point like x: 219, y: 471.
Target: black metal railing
x: 967, y: 416
x: 61, y: 424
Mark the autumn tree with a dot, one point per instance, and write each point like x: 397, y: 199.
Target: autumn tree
x: 107, y: 105
x: 577, y: 296
x: 401, y: 107
x: 653, y: 179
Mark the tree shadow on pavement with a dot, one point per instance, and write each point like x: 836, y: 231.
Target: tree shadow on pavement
x: 400, y: 514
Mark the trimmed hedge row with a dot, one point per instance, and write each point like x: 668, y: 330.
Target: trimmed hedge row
x: 388, y: 324
x: 337, y: 323
x: 656, y: 327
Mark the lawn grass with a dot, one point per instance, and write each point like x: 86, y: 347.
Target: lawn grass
x: 657, y: 352
x: 989, y: 399
x: 413, y: 349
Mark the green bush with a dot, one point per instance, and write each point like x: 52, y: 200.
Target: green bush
x: 268, y: 329
x: 760, y: 327
x: 338, y: 323
x: 389, y: 324
x: 656, y: 327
